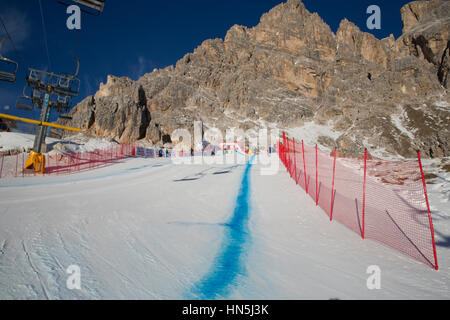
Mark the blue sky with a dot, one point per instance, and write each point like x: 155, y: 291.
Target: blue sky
x: 133, y: 37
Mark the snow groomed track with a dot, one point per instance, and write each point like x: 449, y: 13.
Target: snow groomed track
x: 230, y: 260
x: 150, y: 229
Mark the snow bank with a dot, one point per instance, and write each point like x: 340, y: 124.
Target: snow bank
x: 82, y: 143
x: 310, y: 133
x: 76, y: 143
x: 18, y: 141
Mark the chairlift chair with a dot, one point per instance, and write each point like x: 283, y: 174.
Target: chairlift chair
x: 23, y: 102
x: 34, y: 78
x: 60, y: 88
x: 66, y: 86
x: 8, y: 68
x: 63, y: 82
x: 37, y: 98
x: 92, y: 7
x: 65, y: 117
x: 62, y: 103
x: 93, y: 4
x: 60, y: 84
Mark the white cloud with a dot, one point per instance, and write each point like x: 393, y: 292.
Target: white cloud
x: 140, y: 68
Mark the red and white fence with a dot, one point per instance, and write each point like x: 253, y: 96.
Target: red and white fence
x: 381, y: 200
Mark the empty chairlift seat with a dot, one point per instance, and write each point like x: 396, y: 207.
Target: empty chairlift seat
x: 96, y: 5
x: 8, y: 68
x: 93, y: 7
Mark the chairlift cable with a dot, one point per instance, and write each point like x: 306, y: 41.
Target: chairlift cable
x: 10, y: 39
x: 77, y: 59
x: 77, y: 44
x: 45, y: 35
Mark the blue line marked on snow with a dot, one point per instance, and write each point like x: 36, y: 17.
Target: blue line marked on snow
x: 229, y: 264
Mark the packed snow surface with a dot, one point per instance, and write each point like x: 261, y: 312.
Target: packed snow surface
x: 152, y: 229
x: 76, y: 143
x: 18, y: 141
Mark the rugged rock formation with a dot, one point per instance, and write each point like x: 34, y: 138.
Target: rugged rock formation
x: 291, y: 68
x: 413, y: 12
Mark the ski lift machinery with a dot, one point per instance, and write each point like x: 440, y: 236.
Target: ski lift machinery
x: 8, y: 68
x: 61, y: 89
x: 50, y: 90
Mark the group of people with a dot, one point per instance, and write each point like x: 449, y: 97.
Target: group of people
x: 161, y: 153
x: 165, y: 153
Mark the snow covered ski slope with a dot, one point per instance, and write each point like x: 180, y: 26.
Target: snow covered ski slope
x: 151, y: 229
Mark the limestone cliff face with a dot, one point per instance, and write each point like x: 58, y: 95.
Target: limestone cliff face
x: 292, y: 68
x: 413, y: 12
x: 426, y: 30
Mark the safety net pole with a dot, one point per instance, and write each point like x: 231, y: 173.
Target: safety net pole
x: 317, y: 179
x: 295, y: 161
x: 332, y: 185
x: 364, y: 194
x: 429, y: 211
x: 304, y: 165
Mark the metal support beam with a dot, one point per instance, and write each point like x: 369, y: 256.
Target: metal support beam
x: 42, y: 130
x: 47, y: 124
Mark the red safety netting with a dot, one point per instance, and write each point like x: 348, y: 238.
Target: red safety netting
x: 11, y: 166
x: 62, y: 163
x: 378, y: 199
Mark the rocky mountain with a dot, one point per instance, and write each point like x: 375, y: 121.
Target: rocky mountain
x: 291, y: 68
